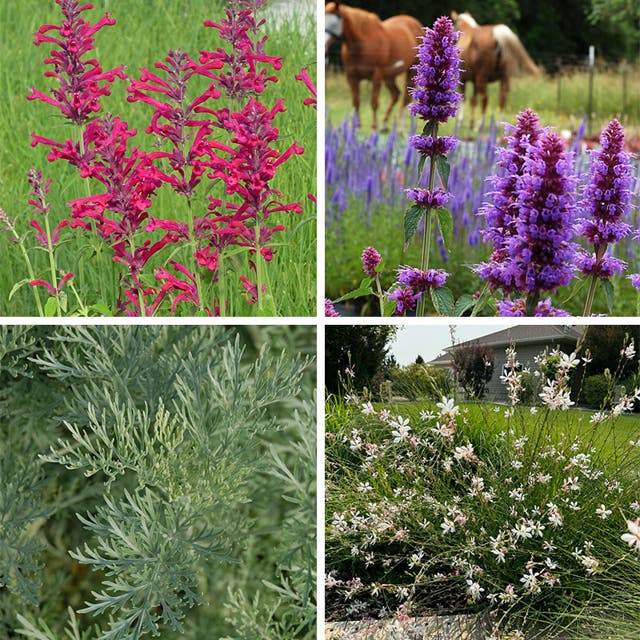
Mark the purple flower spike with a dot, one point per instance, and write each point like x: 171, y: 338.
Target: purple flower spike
x: 502, y: 211
x: 370, y: 260
x: 541, y: 253
x: 437, y: 73
x: 406, y: 299
x: 329, y: 311
x: 425, y: 198
x: 420, y: 281
x: 607, y: 197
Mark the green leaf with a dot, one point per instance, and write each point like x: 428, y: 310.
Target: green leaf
x: 445, y: 222
x: 357, y: 293
x: 62, y: 301
x: 17, y: 286
x: 442, y: 164
x: 429, y: 128
x: 412, y: 217
x: 421, y: 162
x: 609, y: 293
x: 388, y: 306
x: 463, y: 303
x: 101, y: 309
x: 442, y: 299
x: 51, y: 307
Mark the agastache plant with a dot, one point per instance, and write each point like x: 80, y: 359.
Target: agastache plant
x: 435, y: 100
x: 196, y: 141
x: 606, y: 201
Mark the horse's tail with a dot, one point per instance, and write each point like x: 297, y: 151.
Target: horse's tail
x: 514, y: 54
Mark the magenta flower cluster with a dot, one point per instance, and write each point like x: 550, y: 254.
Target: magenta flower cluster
x: 196, y: 140
x: 414, y: 283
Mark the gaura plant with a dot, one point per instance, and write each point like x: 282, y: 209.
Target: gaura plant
x: 212, y: 139
x: 524, y: 513
x: 162, y: 482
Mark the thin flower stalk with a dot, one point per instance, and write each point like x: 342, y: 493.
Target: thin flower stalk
x: 435, y: 101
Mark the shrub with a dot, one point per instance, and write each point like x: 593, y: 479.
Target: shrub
x: 473, y: 366
x: 595, y: 391
x: 418, y: 381
x: 189, y: 465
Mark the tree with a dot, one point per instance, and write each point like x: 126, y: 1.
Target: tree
x: 419, y: 360
x: 605, y: 343
x: 364, y: 348
x: 473, y: 365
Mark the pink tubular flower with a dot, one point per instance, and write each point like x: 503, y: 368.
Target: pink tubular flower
x: 80, y: 83
x: 53, y: 291
x: 303, y: 76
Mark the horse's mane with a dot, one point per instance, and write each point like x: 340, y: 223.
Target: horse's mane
x: 468, y: 19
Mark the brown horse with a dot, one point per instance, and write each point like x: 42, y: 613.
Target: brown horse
x: 490, y: 53
x: 374, y: 50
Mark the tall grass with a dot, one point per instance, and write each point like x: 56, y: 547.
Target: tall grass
x: 145, y: 31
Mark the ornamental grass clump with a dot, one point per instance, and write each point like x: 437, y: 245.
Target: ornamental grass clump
x: 523, y: 515
x: 212, y: 139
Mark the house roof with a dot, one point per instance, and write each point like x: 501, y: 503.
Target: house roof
x: 519, y: 334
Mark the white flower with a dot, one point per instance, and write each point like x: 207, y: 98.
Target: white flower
x: 427, y: 415
x: 402, y: 429
x: 568, y: 361
x: 448, y: 526
x: 464, y: 453
x: 533, y: 410
x: 603, y: 512
x: 530, y: 581
x: 629, y: 352
x: 474, y: 590
x: 633, y: 537
x: 367, y: 409
x: 448, y: 407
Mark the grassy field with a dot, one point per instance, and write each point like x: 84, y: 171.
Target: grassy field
x: 562, y: 107
x: 144, y: 32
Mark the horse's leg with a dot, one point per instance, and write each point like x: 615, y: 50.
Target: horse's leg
x: 504, y: 92
x: 390, y: 81
x: 354, y: 85
x: 485, y: 98
x: 474, y: 97
x: 375, y: 96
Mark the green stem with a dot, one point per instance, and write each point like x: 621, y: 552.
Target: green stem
x: 600, y: 251
x: 31, y: 273
x: 532, y: 301
x: 52, y: 260
x: 194, y: 249
x: 426, y: 238
x: 380, y: 295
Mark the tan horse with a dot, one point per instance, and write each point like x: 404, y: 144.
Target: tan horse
x: 374, y: 50
x: 490, y: 53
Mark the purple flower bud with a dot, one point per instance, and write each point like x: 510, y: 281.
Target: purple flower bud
x: 437, y: 73
x: 329, y: 311
x: 370, y: 260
